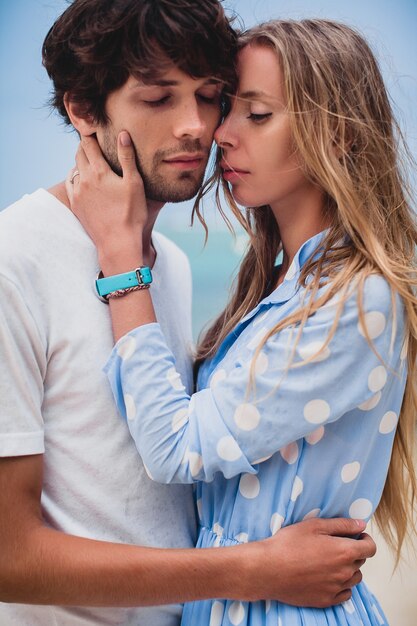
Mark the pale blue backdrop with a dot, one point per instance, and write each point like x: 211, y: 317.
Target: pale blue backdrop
x: 37, y: 150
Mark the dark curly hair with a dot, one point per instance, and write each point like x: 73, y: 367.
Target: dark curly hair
x: 95, y: 45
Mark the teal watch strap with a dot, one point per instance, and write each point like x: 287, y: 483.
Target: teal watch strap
x: 139, y: 276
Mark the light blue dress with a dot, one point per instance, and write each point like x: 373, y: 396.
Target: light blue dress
x: 315, y: 441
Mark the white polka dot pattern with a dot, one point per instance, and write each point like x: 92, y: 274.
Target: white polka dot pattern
x: 370, y: 404
x: 276, y: 523
x: 350, y: 471
x: 297, y: 488
x: 216, y: 615
x: 360, y: 509
x: 130, y: 406
x: 290, y: 453
x: 312, y: 514
x: 377, y: 378
x: 317, y: 411
x: 174, y: 379
x: 227, y: 449
x: 349, y: 606
x: 196, y: 463
x: 378, y: 615
x: 236, y: 613
x: 126, y: 347
x: 313, y: 350
x: 265, y: 458
x: 323, y: 428
x: 247, y: 416
x: 374, y: 323
x: 315, y: 436
x: 217, y: 378
x: 388, y: 423
x: 249, y: 486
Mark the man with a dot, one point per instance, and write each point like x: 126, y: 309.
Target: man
x: 76, y: 505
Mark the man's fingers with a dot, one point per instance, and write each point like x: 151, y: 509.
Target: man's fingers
x: 126, y: 154
x: 341, y: 526
x: 343, y: 596
x: 354, y: 580
x: 367, y: 546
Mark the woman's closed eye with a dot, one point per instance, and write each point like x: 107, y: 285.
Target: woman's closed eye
x: 259, y: 117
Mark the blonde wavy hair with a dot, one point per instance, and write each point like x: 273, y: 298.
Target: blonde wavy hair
x: 351, y: 147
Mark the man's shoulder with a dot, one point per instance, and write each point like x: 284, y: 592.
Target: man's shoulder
x: 20, y: 221
x: 24, y: 206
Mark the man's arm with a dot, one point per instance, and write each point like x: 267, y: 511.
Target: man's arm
x: 39, y: 565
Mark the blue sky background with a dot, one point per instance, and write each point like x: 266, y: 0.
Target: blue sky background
x: 37, y: 150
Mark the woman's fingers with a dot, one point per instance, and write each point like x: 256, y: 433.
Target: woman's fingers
x: 69, y: 184
x: 90, y: 154
x: 126, y: 155
x: 81, y: 157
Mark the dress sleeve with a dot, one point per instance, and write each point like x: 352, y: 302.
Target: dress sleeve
x: 22, y: 370
x: 225, y: 429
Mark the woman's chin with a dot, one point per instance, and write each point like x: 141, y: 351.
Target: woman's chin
x: 246, y: 199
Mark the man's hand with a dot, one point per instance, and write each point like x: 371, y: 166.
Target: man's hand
x: 313, y: 563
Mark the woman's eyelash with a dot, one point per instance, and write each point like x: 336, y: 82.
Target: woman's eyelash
x: 259, y: 117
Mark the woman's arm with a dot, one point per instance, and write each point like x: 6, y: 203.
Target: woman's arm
x: 182, y: 439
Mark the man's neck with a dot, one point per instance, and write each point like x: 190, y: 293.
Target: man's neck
x: 149, y: 254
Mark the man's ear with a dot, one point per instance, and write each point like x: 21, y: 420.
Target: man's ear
x: 82, y: 121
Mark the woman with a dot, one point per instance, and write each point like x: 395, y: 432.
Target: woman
x: 306, y: 385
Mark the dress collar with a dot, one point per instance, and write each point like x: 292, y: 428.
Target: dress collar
x: 284, y: 292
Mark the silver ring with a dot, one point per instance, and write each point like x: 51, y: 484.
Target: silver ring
x: 75, y: 173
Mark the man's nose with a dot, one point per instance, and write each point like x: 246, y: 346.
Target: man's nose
x: 189, y: 122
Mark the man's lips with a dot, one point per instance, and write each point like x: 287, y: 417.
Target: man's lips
x: 187, y: 160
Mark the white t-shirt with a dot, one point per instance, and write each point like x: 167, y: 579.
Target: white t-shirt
x: 55, y: 337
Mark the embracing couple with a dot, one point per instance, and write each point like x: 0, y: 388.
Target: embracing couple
x: 298, y: 425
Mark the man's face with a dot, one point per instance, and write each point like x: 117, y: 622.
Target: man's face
x: 171, y: 124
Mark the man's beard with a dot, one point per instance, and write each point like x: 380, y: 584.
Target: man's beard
x: 156, y: 187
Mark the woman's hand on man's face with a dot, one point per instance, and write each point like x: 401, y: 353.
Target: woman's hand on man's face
x: 111, y: 208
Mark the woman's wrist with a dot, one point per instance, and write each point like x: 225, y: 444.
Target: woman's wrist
x: 119, y: 261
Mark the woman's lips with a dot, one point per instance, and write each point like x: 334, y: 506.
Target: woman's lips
x: 231, y: 173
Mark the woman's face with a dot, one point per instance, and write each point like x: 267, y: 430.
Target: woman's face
x: 259, y: 158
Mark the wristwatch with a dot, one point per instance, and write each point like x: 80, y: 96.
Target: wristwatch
x: 140, y: 276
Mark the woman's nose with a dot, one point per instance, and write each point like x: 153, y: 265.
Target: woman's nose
x: 224, y: 136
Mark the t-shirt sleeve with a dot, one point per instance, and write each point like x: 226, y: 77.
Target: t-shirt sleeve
x: 22, y: 371
x: 225, y: 429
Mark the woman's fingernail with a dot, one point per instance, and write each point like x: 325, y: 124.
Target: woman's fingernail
x: 125, y: 138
